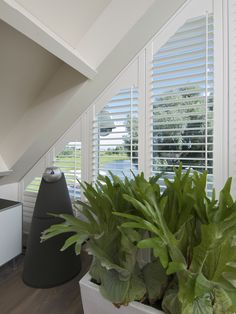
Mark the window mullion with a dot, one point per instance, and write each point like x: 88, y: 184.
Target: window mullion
x: 142, y: 147
x: 148, y: 109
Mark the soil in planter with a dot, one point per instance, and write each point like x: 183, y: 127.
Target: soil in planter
x: 156, y: 305
x: 95, y: 282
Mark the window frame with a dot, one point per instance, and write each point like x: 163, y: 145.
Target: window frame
x: 191, y: 9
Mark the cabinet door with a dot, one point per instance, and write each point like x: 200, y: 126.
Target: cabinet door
x: 10, y: 233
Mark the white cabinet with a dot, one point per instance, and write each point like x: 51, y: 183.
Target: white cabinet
x: 10, y: 232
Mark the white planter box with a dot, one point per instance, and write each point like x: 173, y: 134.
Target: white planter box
x: 94, y: 303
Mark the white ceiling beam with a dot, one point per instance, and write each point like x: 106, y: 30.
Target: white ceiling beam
x: 15, y: 15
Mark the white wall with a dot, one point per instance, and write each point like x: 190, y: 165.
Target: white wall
x: 25, y: 69
x: 10, y: 191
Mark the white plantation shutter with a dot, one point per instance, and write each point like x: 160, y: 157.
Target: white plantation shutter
x: 29, y: 189
x: 182, y: 99
x: 33, y: 187
x: 28, y: 200
x: 115, y: 135
x: 69, y: 161
x: 232, y: 92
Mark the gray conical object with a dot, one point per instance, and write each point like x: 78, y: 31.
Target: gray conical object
x: 45, y: 265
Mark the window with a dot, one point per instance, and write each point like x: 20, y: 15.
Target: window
x: 33, y: 187
x: 69, y: 161
x: 182, y: 99
x: 115, y: 135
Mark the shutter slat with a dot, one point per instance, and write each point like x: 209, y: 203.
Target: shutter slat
x: 179, y: 144
x: 158, y: 72
x: 180, y: 85
x: 189, y: 44
x: 178, y: 52
x: 184, y: 63
x: 188, y: 92
x: 197, y: 102
x: 161, y: 80
x: 180, y: 129
x: 158, y: 117
x: 186, y: 55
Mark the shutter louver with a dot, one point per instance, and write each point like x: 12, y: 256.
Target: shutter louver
x: 69, y: 161
x: 182, y: 100
x: 115, y: 135
x: 29, y: 199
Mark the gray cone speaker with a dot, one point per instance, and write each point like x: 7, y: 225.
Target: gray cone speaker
x: 44, y: 264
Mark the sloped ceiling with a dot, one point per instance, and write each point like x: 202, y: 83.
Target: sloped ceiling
x: 25, y: 69
x: 63, y: 98
x: 79, y: 32
x: 68, y: 19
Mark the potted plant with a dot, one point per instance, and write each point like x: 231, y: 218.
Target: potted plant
x: 191, y: 236
x: 194, y: 236
x: 115, y: 276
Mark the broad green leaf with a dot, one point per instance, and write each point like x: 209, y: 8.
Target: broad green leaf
x: 145, y: 225
x: 209, y: 235
x: 156, y: 281
x: 170, y: 302
x: 137, y: 288
x: 232, y: 295
x: 202, y: 285
x: 76, y: 238
x: 230, y: 277
x: 159, y: 249
x: 112, y: 288
x: 162, y: 253
x: 175, y: 267
x: 202, y: 305
x: 150, y: 243
x: 96, y: 270
x: 219, y: 264
x: 222, y: 302
x: 106, y: 261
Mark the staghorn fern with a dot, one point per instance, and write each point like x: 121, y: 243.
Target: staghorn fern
x: 115, y: 267
x: 194, y: 238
